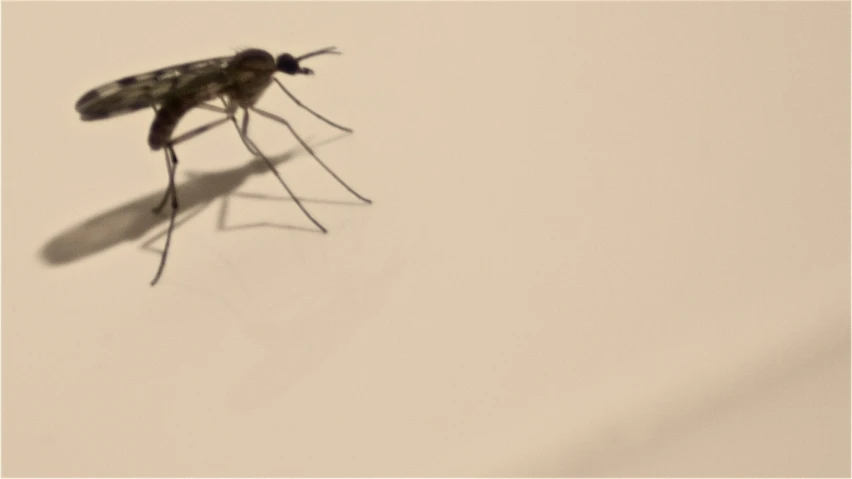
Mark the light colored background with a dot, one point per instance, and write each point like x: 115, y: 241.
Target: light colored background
x: 607, y: 239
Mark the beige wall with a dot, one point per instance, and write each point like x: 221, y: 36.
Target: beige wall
x: 607, y: 239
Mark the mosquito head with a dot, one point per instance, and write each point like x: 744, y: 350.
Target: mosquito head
x: 289, y: 64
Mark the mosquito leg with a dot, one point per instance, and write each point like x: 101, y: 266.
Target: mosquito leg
x: 253, y: 149
x: 197, y: 131
x: 157, y: 209
x: 170, y: 168
x: 170, y: 162
x: 296, y: 101
x: 250, y: 146
x: 217, y: 109
x: 309, y: 150
x: 169, y: 151
x: 187, y: 216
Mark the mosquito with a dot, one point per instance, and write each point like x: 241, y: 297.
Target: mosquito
x: 236, y: 81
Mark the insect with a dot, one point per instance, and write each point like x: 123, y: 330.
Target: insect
x: 236, y: 81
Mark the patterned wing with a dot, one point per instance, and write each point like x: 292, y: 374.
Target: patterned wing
x: 148, y: 89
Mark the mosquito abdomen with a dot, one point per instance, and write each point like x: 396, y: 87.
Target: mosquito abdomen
x: 166, y: 121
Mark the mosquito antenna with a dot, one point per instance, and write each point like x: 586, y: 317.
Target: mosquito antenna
x: 329, y: 50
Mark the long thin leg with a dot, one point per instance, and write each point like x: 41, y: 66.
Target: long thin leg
x: 309, y: 150
x: 170, y: 151
x: 217, y: 109
x: 170, y: 167
x: 296, y: 101
x: 197, y: 131
x: 187, y: 216
x: 250, y: 146
x: 186, y: 136
x: 169, y: 188
x: 253, y: 149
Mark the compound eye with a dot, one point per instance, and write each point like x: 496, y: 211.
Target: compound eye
x: 287, y: 64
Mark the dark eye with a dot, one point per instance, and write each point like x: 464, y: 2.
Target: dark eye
x: 287, y: 64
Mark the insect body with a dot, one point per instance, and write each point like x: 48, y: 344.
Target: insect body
x: 237, y: 81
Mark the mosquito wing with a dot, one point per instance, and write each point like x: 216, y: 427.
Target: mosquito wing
x: 150, y: 89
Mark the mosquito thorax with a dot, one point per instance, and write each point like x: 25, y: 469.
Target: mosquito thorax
x: 253, y: 59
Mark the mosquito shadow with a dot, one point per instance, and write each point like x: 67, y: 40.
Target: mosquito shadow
x: 134, y: 219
